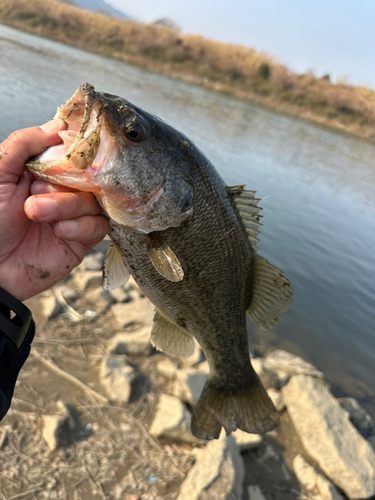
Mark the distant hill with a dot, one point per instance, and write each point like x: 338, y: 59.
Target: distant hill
x: 98, y: 6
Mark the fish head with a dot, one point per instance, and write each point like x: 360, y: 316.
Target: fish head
x: 138, y: 167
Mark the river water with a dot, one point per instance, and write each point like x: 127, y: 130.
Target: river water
x: 318, y: 185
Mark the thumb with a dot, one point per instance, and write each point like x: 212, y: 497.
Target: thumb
x: 25, y: 143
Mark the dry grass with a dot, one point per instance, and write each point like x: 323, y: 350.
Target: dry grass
x: 228, y: 68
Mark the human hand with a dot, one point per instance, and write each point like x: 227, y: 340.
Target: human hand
x: 45, y: 235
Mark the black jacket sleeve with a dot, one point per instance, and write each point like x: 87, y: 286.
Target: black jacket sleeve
x: 11, y: 362
x: 17, y: 330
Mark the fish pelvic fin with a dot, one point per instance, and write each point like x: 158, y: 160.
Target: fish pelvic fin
x: 171, y: 338
x: 115, y: 273
x: 272, y: 294
x: 248, y: 408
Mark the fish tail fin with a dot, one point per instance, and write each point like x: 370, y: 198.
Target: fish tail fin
x: 248, y: 408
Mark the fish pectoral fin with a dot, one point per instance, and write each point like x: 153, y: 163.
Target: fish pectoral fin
x: 171, y: 338
x: 115, y: 273
x: 247, y: 206
x: 272, y: 294
x: 163, y: 259
x: 249, y: 408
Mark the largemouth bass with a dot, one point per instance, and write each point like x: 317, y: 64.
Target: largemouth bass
x: 188, y: 240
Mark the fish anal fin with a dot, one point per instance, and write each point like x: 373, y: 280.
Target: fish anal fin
x: 248, y: 408
x: 164, y: 259
x: 171, y: 338
x: 115, y: 273
x: 272, y: 294
x: 247, y: 206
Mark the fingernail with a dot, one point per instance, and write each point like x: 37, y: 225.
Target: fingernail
x: 41, y: 187
x: 44, y: 207
x: 69, y: 227
x: 52, y: 125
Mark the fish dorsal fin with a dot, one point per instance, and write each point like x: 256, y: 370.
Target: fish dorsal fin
x: 272, y: 294
x: 247, y: 206
x: 115, y: 273
x: 171, y: 338
x: 164, y: 259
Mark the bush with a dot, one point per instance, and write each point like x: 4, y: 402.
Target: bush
x: 264, y: 71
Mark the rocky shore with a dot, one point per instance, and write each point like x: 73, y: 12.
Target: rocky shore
x: 99, y: 413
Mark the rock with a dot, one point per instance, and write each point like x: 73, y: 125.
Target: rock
x: 255, y: 493
x: 137, y: 311
x: 93, y: 262
x: 44, y: 306
x: 4, y: 434
x: 88, y: 279
x: 329, y: 437
x: 288, y: 363
x: 117, y: 377
x: 315, y: 486
x: 69, y: 293
x: 203, y: 367
x: 54, y: 426
x: 189, y: 384
x: 217, y: 473
x: 358, y: 416
x: 97, y: 299
x: 277, y: 399
x: 267, y: 377
x: 172, y: 420
x: 246, y: 441
x: 371, y: 440
x: 135, y: 343
x: 120, y: 295
x: 166, y: 368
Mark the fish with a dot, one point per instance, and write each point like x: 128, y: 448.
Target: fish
x: 188, y: 240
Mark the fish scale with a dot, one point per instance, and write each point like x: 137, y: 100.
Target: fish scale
x: 188, y: 240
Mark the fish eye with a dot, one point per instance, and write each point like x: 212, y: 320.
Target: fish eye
x: 135, y: 132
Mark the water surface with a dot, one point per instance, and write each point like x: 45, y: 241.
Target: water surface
x: 318, y: 188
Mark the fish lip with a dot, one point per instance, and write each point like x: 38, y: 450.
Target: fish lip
x: 87, y: 98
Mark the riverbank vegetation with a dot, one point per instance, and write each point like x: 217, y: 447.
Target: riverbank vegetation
x: 231, y: 69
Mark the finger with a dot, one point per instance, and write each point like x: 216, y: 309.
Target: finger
x: 83, y: 229
x: 44, y: 187
x: 25, y: 143
x: 61, y: 206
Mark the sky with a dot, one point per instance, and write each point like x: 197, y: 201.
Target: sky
x: 323, y: 36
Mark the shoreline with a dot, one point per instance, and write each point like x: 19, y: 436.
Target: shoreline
x: 232, y: 70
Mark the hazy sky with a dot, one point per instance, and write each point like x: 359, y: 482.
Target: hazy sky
x: 326, y: 36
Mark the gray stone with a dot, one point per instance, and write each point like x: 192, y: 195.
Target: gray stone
x: 172, y: 420
x: 44, y: 306
x: 288, y: 363
x: 358, y: 416
x: 218, y: 473
x: 314, y: 485
x: 93, y: 262
x: 371, y: 440
x: 88, y: 279
x: 277, y: 399
x: 166, y: 368
x: 267, y: 377
x: 117, y: 377
x: 329, y: 437
x: 69, y: 293
x: 255, y: 493
x: 137, y: 311
x: 4, y: 430
x: 120, y: 295
x: 246, y: 441
x: 55, y: 426
x: 97, y: 299
x: 135, y: 343
x: 189, y: 384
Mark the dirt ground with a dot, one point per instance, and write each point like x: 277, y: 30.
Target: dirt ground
x: 109, y: 453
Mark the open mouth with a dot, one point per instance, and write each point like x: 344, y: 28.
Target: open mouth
x: 82, y: 114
